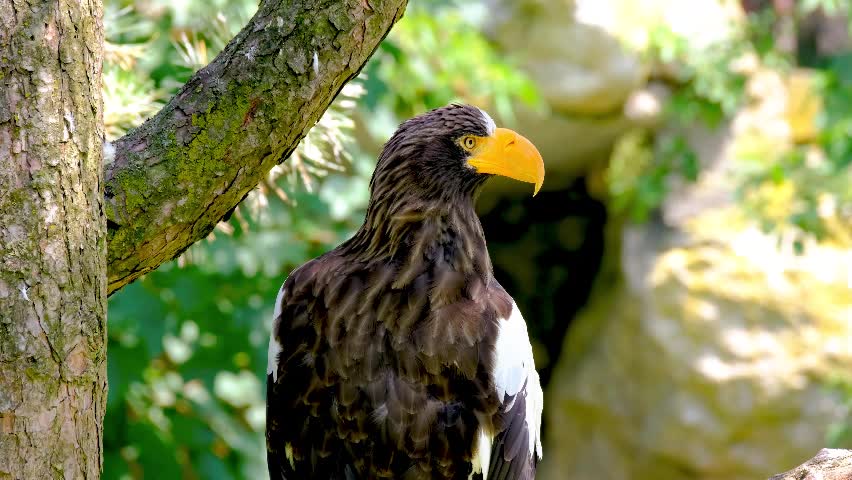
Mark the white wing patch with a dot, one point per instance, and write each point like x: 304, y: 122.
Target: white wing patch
x: 274, y: 346
x: 489, y: 122
x: 514, y: 372
x: 482, y: 459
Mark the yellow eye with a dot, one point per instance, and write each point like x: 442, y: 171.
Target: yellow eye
x: 468, y: 143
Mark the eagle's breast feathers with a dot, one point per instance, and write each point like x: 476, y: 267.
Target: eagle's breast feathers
x: 420, y: 373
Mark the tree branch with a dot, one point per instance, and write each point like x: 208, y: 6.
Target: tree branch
x: 828, y: 464
x: 175, y: 177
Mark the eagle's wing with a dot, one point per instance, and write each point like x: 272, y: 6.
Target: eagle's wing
x: 514, y: 451
x: 303, y: 376
x: 279, y: 463
x: 296, y: 389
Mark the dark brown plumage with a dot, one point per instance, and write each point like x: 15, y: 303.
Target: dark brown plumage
x: 384, y: 350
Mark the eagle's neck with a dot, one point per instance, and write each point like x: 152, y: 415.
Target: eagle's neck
x: 421, y: 236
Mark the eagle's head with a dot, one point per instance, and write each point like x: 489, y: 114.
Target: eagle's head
x: 426, y: 181
x: 448, y: 153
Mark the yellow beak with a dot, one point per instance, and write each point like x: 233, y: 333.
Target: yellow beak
x: 510, y: 154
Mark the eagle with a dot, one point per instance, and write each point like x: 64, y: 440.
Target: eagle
x: 398, y: 354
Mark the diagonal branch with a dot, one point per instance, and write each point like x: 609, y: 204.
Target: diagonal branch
x: 170, y: 181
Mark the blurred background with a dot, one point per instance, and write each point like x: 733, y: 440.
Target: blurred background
x: 685, y: 271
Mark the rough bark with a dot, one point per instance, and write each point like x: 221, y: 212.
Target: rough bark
x: 181, y: 172
x: 52, y: 240
x: 828, y: 464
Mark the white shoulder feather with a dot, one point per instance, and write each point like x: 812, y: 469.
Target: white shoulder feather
x: 274, y: 345
x: 514, y: 369
x: 515, y: 374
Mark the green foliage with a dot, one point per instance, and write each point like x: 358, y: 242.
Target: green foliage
x: 708, y: 90
x: 437, y: 55
x: 801, y: 191
x: 187, y: 343
x: 641, y: 168
x: 644, y: 165
x: 814, y: 172
x: 152, y: 48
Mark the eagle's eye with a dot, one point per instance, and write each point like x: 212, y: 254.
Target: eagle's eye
x: 468, y: 142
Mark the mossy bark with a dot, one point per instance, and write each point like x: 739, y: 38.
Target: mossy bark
x: 174, y: 178
x: 52, y: 240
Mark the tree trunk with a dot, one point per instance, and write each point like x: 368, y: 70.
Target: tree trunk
x: 52, y: 240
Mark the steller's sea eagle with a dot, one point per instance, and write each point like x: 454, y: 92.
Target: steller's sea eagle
x: 397, y: 354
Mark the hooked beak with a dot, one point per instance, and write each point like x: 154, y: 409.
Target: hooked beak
x: 509, y: 154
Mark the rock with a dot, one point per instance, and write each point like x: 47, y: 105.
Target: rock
x: 581, y: 69
x: 705, y: 353
x: 707, y: 347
